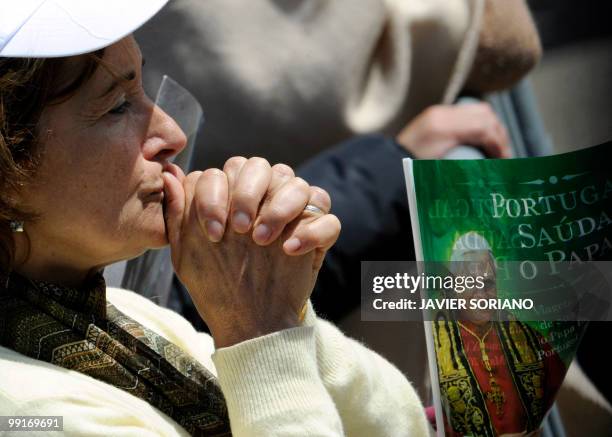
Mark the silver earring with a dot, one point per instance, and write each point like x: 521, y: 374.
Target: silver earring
x: 16, y: 226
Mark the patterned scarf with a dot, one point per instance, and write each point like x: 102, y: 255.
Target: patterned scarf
x: 79, y: 330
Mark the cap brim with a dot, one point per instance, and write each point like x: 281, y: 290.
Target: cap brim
x: 73, y: 27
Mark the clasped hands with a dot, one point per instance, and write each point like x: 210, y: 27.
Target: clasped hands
x: 243, y: 245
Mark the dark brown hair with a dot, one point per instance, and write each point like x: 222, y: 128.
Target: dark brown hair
x: 27, y: 87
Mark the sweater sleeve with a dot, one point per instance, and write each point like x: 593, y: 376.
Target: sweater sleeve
x: 272, y: 387
x: 315, y: 381
x: 372, y: 396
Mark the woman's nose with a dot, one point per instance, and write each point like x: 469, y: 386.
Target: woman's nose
x: 165, y: 138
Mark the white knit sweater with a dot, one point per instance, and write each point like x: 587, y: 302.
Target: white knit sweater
x: 306, y: 381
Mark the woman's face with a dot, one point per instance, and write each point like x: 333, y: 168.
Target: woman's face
x: 99, y: 188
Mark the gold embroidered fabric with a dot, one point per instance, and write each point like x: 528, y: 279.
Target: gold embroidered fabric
x: 79, y: 330
x: 460, y: 388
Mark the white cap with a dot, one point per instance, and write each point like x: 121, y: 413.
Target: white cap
x: 54, y: 28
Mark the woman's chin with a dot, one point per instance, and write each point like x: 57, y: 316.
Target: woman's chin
x: 154, y: 234
x: 157, y: 228
x: 155, y: 241
x: 148, y: 231
x: 159, y: 242
x: 159, y: 237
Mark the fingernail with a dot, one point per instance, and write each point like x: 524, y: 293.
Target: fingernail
x: 292, y: 245
x: 214, y: 230
x: 241, y: 221
x: 261, y: 233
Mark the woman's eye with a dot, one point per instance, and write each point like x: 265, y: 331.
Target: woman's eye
x: 121, y: 108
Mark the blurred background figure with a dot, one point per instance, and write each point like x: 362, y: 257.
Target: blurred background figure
x: 289, y: 78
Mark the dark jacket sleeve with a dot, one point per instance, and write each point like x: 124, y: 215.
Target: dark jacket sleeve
x: 365, y: 179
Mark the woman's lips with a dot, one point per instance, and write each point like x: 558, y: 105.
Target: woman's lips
x: 157, y: 196
x: 153, y: 194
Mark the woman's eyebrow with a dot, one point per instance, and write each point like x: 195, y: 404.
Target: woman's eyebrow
x: 128, y: 77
